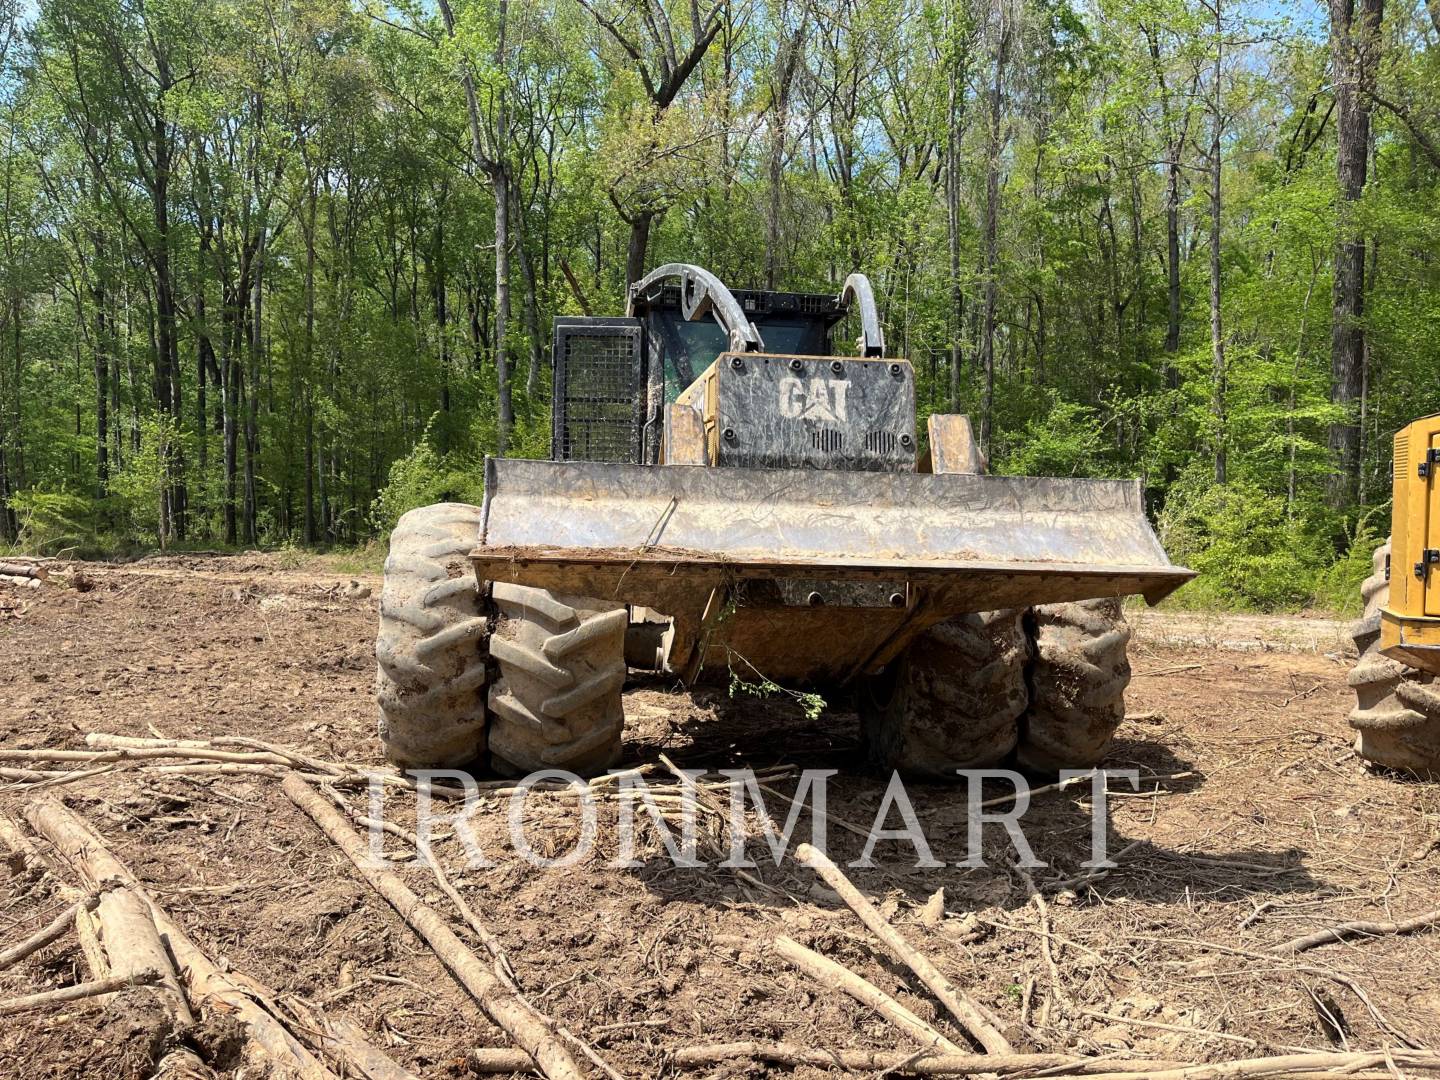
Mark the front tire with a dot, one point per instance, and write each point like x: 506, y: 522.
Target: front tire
x: 952, y: 700
x: 430, y: 682
x: 1078, y: 677
x: 556, y: 704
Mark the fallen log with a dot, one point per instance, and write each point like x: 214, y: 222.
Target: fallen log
x: 488, y: 939
x: 264, y: 756
x: 1053, y: 1065
x: 534, y: 1033
x: 1289, y: 1065
x: 32, y: 776
x: 28, y: 854
x: 127, y: 929
x: 78, y: 991
x: 959, y: 1004
x: 86, y: 852
x: 143, y: 753
x: 23, y: 570
x: 38, y: 940
x: 488, y: 1061
x: 16, y: 582
x: 1359, y: 928
x: 829, y: 973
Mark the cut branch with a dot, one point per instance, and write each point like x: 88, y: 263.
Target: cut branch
x: 829, y: 973
x: 534, y: 1033
x: 78, y: 991
x: 38, y: 940
x: 1356, y: 929
x: 960, y: 1005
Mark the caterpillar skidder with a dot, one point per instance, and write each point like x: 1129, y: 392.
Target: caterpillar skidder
x: 725, y: 492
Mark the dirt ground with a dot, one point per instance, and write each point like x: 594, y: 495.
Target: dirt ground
x: 1274, y: 829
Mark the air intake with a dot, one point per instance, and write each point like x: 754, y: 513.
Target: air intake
x: 827, y: 440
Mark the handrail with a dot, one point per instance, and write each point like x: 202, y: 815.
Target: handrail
x: 872, y: 338
x: 701, y: 294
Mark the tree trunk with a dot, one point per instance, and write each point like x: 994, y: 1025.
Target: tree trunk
x: 785, y: 63
x: 955, y: 111
x: 1354, y: 48
x: 1217, y: 329
x: 639, y: 245
x: 500, y: 183
x: 103, y: 340
x: 306, y: 392
x: 530, y: 303
x: 992, y: 228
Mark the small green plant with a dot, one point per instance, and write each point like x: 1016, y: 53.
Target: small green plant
x: 764, y: 687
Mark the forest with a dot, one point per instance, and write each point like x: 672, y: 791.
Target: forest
x: 275, y: 271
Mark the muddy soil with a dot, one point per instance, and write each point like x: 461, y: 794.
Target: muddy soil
x: 1272, y: 828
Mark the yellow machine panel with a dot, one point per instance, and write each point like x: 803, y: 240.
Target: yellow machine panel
x: 1410, y: 620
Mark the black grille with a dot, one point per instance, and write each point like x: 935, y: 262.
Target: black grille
x: 827, y: 439
x: 598, y: 401
x: 880, y: 442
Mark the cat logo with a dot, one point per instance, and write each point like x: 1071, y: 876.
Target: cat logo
x: 819, y: 399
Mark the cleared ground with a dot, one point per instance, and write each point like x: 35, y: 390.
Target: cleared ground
x: 1274, y: 829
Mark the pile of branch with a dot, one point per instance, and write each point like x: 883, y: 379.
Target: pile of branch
x: 536, y: 1034
x: 974, y: 1018
x: 222, y: 756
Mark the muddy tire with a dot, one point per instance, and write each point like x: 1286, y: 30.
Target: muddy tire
x: 430, y: 650
x: 561, y: 662
x: 952, y: 700
x: 1078, y: 674
x: 1397, y: 708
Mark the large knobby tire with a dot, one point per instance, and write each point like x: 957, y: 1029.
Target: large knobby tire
x: 556, y: 703
x: 430, y: 685
x: 952, y: 700
x: 1078, y: 674
x: 1397, y: 710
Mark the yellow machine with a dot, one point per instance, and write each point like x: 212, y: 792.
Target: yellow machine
x: 1410, y: 619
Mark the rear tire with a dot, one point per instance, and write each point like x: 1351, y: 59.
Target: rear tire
x: 556, y: 704
x: 430, y: 683
x: 1078, y: 678
x: 1396, y: 717
x: 952, y: 700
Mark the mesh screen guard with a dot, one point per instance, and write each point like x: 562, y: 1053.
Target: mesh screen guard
x: 599, y: 391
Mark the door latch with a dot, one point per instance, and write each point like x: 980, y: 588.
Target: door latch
x: 1427, y: 466
x: 1428, y: 556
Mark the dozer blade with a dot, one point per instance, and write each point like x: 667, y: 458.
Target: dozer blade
x: 665, y: 536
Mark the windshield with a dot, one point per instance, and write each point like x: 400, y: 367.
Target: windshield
x: 690, y: 347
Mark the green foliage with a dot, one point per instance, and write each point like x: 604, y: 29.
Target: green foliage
x: 1068, y: 440
x: 1251, y: 551
x: 52, y: 522
x: 425, y: 476
x: 138, y: 489
x: 1337, y: 587
x: 812, y: 705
